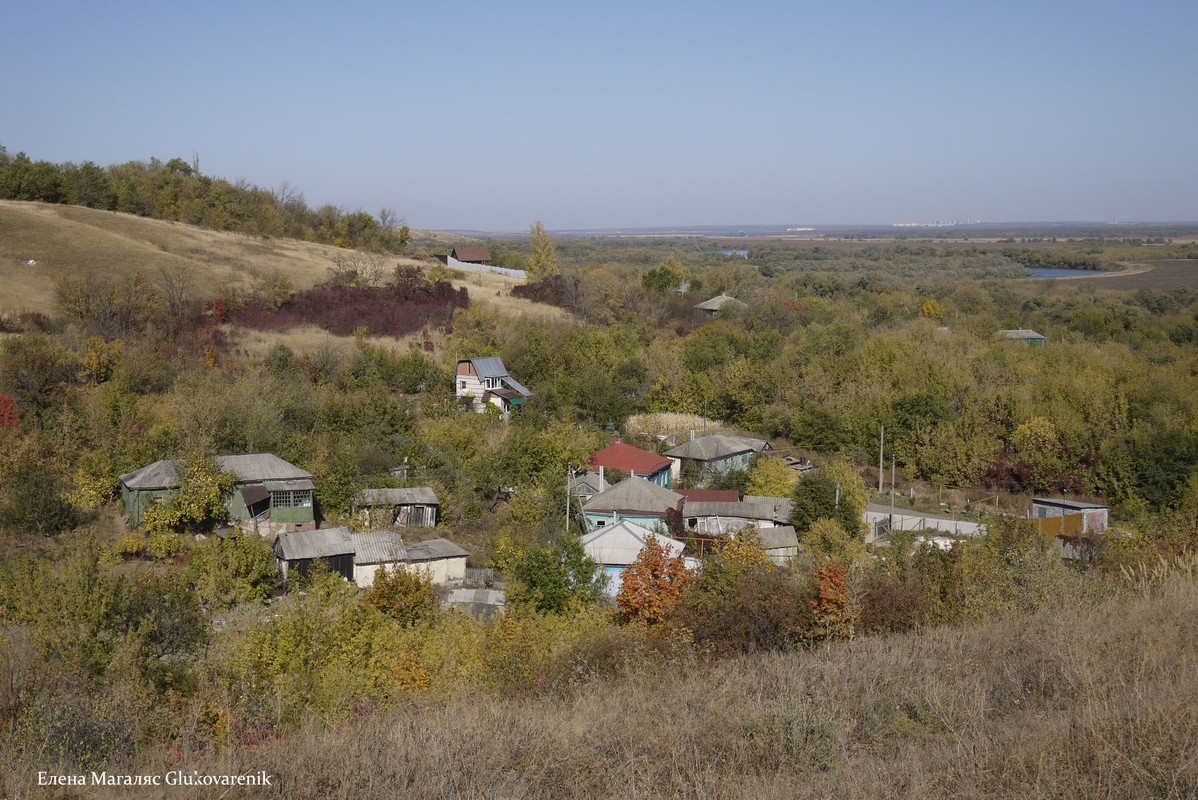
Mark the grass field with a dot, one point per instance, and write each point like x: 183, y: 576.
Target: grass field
x: 1085, y: 698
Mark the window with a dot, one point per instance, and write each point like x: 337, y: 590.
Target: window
x: 300, y: 498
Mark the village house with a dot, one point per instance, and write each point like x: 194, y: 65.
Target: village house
x: 722, y: 517
x: 414, y: 507
x: 634, y: 461
x: 486, y: 382
x: 634, y: 499
x: 615, y: 547
x: 357, y: 557
x: 271, y: 496
x: 716, y: 454
x: 712, y: 307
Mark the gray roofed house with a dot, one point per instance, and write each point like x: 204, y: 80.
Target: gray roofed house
x: 270, y: 495
x: 410, y: 507
x: 722, y: 517
x: 486, y: 380
x: 716, y: 454
x: 358, y: 556
x: 712, y: 307
x: 634, y: 498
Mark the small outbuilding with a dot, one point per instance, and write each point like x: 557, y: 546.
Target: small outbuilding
x: 712, y: 307
x: 357, y: 557
x: 412, y: 507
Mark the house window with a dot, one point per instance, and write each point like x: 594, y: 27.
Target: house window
x: 463, y: 386
x: 300, y: 498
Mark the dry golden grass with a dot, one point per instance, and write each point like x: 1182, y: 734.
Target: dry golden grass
x: 66, y: 240
x: 1088, y: 699
x: 665, y: 423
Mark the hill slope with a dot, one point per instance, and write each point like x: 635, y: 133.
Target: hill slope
x: 65, y: 239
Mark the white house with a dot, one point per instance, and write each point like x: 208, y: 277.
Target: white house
x: 614, y: 547
x: 486, y: 381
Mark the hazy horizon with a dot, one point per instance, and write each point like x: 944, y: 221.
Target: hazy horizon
x: 472, y: 116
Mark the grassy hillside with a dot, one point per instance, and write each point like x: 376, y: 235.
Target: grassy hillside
x: 1084, y: 699
x: 72, y: 239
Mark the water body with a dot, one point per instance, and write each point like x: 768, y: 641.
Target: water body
x: 1063, y: 273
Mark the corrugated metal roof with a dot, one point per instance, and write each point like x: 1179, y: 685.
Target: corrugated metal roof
x: 293, y: 485
x: 409, y: 496
x: 261, y: 467
x: 635, y: 494
x: 716, y: 446
x: 324, y: 543
x: 629, y: 459
x: 379, y: 547
x: 251, y: 467
x: 776, y: 509
x: 710, y: 495
x: 1018, y: 333
x: 158, y: 475
x: 434, y: 549
x: 1061, y: 502
x: 488, y: 367
x: 516, y: 386
x: 775, y: 538
x: 619, y: 544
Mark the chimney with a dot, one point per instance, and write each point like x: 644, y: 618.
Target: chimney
x: 692, y: 434
x: 602, y: 484
x: 615, y: 438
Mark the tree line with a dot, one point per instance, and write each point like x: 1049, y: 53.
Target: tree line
x: 176, y: 190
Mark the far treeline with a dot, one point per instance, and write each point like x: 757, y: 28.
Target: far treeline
x: 178, y: 191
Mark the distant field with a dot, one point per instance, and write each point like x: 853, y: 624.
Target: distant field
x: 1160, y: 275
x: 65, y: 240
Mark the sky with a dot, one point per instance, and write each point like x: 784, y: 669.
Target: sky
x: 490, y: 115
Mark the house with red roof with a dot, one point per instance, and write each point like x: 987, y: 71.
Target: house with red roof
x: 634, y: 461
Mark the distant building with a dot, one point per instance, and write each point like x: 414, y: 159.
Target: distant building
x: 712, y: 307
x: 472, y: 255
x: 1024, y: 335
x: 487, y: 382
x: 1070, y: 517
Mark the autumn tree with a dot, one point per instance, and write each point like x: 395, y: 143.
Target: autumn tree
x: 544, y: 256
x: 770, y: 477
x: 652, y: 585
x: 403, y: 594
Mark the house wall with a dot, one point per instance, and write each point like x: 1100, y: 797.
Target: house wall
x: 654, y: 522
x: 441, y: 570
x: 138, y: 500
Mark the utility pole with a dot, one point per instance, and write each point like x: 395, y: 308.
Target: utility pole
x: 567, y: 498
x: 881, y: 447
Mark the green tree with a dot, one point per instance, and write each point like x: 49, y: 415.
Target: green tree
x: 770, y: 477
x: 556, y: 578
x: 834, y: 492
x: 544, y: 256
x: 237, y: 569
x: 665, y: 277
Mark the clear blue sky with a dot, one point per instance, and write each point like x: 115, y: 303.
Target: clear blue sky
x: 490, y: 115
